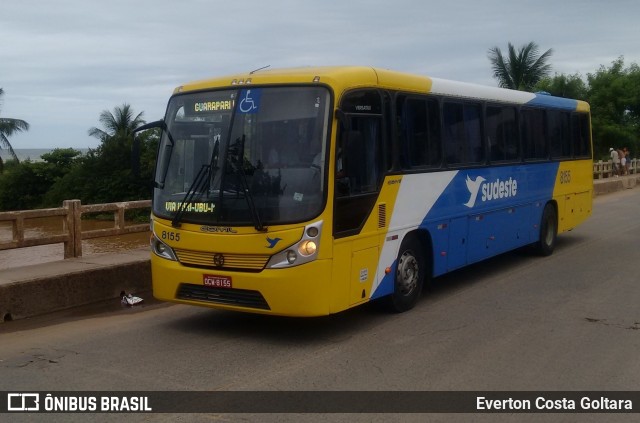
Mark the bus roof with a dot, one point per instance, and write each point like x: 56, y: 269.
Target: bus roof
x: 342, y: 78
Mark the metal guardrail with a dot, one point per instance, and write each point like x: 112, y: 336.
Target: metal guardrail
x: 72, y: 234
x: 603, y: 170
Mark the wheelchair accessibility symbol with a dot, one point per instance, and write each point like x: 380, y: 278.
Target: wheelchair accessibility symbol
x: 250, y: 101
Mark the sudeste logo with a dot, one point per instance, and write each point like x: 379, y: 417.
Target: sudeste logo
x: 490, y: 190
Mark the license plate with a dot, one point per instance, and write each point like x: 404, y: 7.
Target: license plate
x: 217, y: 281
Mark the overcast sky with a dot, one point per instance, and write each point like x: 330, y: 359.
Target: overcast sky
x: 62, y: 62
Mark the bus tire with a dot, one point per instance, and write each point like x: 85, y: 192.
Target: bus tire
x: 409, y: 276
x: 548, y: 231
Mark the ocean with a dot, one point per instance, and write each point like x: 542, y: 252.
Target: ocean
x: 33, y: 154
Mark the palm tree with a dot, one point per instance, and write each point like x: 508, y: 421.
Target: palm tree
x: 120, y: 124
x: 521, y: 70
x: 117, y: 138
x: 8, y: 127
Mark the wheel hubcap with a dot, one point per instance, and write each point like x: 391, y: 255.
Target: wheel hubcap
x: 407, y: 273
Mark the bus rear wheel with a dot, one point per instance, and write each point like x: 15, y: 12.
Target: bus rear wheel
x: 409, y: 276
x: 548, y: 231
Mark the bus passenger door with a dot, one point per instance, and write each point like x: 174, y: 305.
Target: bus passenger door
x: 358, y: 164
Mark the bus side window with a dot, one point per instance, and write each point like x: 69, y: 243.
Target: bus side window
x: 419, y: 132
x: 453, y: 133
x: 435, y: 139
x: 413, y: 132
x: 533, y: 134
x: 559, y: 133
x: 580, y: 135
x: 502, y: 133
x: 473, y: 129
x: 462, y: 133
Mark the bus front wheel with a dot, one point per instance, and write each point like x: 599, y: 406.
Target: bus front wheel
x: 409, y: 276
x: 548, y: 231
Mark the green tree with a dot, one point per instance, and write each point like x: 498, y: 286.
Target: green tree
x: 21, y: 186
x: 118, y: 143
x: 119, y: 124
x: 107, y: 172
x: 614, y: 96
x: 61, y: 158
x: 562, y: 85
x: 67, y: 187
x: 116, y: 161
x: 8, y: 127
x: 522, y: 69
x: 26, y: 185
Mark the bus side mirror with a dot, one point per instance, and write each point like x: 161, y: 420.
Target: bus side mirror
x: 135, y: 150
x: 157, y: 124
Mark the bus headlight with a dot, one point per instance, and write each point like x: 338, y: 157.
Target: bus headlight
x: 303, y: 251
x: 161, y: 249
x: 307, y: 248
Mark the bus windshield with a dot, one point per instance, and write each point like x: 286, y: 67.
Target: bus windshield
x: 251, y: 156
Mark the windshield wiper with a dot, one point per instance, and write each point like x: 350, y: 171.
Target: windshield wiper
x: 200, y: 183
x: 236, y: 166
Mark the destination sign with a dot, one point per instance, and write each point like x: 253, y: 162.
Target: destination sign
x: 174, y: 206
x: 213, y: 106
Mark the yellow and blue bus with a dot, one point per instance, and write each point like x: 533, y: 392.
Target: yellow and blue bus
x: 309, y: 191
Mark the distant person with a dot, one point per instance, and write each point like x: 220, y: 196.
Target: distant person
x: 627, y: 156
x: 623, y: 162
x: 615, y: 161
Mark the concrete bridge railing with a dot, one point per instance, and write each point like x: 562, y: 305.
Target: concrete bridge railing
x: 604, y: 169
x: 72, y: 234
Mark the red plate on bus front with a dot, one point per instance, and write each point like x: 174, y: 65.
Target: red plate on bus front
x: 216, y: 281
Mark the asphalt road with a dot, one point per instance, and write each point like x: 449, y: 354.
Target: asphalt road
x: 517, y: 322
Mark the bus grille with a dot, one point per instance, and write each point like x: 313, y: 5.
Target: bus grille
x: 231, y: 261
x: 226, y: 296
x: 382, y: 215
